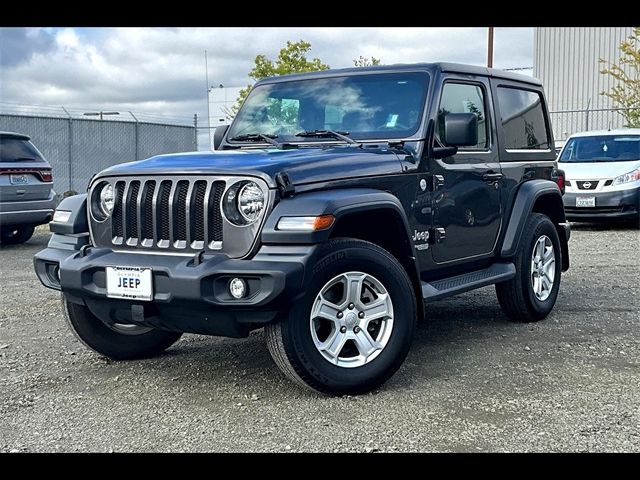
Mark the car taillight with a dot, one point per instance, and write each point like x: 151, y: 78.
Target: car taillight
x: 558, y: 177
x: 46, y: 175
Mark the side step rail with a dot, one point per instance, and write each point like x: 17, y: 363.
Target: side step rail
x: 446, y: 287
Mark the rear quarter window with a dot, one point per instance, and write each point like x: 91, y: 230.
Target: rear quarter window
x: 18, y: 150
x: 523, y: 119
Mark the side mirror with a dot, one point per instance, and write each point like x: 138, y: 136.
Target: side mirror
x: 460, y: 129
x: 218, y: 135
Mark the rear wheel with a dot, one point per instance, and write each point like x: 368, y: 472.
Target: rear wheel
x: 117, y: 341
x: 16, y: 234
x: 532, y: 293
x: 353, y: 327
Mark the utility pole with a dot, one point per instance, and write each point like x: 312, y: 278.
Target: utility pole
x: 490, y: 49
x: 206, y: 74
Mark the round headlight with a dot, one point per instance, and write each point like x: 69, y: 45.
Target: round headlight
x: 250, y: 201
x: 106, y: 199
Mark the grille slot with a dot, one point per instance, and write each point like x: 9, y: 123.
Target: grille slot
x: 117, y: 212
x: 180, y: 214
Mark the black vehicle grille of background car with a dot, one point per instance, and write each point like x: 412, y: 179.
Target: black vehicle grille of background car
x: 116, y: 220
x: 592, y: 185
x: 147, y: 209
x: 608, y: 182
x: 196, y: 210
x: 215, y: 215
x: 163, y: 210
x: 180, y: 211
x: 594, y: 209
x: 131, y: 227
x: 191, y: 214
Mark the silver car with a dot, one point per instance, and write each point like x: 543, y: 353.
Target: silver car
x: 27, y: 198
x: 602, y: 174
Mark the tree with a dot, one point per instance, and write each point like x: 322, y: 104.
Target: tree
x: 366, y: 62
x: 626, y: 92
x: 291, y: 59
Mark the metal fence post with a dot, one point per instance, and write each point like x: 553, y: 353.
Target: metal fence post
x: 195, y: 131
x: 70, y: 152
x: 586, y: 123
x: 137, y: 136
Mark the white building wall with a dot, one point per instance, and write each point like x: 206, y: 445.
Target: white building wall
x: 566, y: 61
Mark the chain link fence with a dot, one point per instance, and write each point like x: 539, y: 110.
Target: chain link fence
x: 568, y: 122
x: 78, y: 147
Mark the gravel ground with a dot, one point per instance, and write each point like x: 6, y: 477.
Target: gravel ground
x: 472, y: 381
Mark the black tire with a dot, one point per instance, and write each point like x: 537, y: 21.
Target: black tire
x: 16, y: 234
x: 517, y: 297
x: 100, y: 338
x: 290, y: 340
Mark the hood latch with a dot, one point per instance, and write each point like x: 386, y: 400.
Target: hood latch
x: 285, y: 187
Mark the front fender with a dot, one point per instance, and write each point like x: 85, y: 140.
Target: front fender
x: 337, y: 202
x: 78, y: 222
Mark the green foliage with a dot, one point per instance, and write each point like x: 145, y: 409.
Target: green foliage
x: 291, y: 59
x: 366, y: 62
x: 626, y: 92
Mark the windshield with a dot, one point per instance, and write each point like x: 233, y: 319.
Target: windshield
x: 18, y: 150
x: 603, y: 148
x: 369, y: 106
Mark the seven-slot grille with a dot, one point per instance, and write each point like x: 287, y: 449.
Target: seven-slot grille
x: 181, y: 214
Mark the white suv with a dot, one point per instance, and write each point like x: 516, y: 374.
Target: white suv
x: 602, y: 172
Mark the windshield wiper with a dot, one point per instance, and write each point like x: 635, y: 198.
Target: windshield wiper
x: 328, y: 134
x: 253, y: 137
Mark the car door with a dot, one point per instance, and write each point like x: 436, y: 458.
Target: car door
x: 467, y: 186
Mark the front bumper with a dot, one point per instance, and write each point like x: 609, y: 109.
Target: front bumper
x: 188, y: 295
x: 30, y: 212
x: 617, y: 205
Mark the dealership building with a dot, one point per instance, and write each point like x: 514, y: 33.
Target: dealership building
x: 566, y: 60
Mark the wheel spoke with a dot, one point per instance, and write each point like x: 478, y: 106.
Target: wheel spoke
x: 545, y: 283
x: 326, y: 309
x: 334, y: 344
x: 548, y: 255
x: 376, y: 309
x: 540, y: 248
x: 353, y: 288
x: 365, y: 344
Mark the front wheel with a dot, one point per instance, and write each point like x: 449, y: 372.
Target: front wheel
x: 353, y: 327
x: 116, y: 341
x: 532, y: 293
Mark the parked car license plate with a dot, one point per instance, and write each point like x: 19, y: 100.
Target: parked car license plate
x: 585, y: 201
x: 19, y: 179
x: 133, y: 283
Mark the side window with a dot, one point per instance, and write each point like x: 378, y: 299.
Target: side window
x: 464, y: 98
x: 523, y: 119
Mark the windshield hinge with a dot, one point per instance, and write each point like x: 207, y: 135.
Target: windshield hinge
x: 285, y: 187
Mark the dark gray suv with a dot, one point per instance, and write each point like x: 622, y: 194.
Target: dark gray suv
x: 27, y: 198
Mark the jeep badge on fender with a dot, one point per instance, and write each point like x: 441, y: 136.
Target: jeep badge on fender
x: 334, y: 207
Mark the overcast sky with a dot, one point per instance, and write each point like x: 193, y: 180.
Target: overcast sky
x: 161, y: 70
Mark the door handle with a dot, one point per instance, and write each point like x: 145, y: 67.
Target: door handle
x: 492, y: 177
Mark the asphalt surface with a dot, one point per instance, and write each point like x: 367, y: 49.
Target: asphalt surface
x: 472, y: 382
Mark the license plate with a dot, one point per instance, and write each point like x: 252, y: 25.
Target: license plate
x: 133, y: 283
x: 19, y: 179
x: 585, y: 201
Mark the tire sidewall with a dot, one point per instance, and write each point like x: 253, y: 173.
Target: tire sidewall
x: 541, y: 307
x: 296, y: 329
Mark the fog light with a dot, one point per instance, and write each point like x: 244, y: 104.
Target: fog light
x: 237, y: 288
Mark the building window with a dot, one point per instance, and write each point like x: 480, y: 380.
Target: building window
x: 464, y: 98
x: 523, y: 119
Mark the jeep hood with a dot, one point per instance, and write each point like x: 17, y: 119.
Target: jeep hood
x: 303, y: 165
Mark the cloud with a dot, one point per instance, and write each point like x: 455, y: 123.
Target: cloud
x: 161, y: 70
x: 17, y: 45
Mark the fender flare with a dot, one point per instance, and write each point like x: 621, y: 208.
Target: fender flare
x: 525, y: 199
x: 78, y: 221
x: 338, y: 202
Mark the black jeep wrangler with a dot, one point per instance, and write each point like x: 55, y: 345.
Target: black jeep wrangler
x: 335, y: 206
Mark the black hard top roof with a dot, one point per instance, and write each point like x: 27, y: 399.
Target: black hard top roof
x: 441, y: 66
x: 19, y: 136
